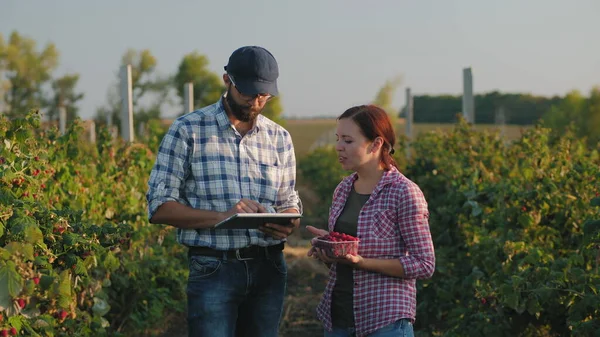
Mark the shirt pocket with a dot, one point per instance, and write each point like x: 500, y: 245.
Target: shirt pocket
x: 266, y: 182
x: 384, y: 227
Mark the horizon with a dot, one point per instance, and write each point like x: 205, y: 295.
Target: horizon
x: 342, y: 57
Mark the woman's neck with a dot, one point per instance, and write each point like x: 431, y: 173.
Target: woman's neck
x: 367, y: 180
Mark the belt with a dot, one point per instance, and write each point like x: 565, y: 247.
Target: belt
x: 247, y: 253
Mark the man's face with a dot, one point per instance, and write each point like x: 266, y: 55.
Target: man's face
x: 244, y: 107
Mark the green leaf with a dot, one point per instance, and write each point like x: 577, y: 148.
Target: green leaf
x: 90, y: 262
x: 70, y: 239
x: 22, y: 135
x: 25, y: 249
x: 595, y: 201
x: 33, y: 234
x: 4, y: 254
x: 100, y: 307
x: 80, y: 269
x: 19, y: 222
x: 46, y: 281
x: 591, y: 227
x: 11, y: 284
x: 16, y: 322
x: 512, y: 301
x: 111, y: 263
x: 525, y: 220
x: 64, y: 289
x: 41, y: 261
x: 527, y: 173
x: 475, y: 208
x: 543, y: 293
x: 28, y: 288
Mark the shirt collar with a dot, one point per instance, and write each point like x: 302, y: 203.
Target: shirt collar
x: 388, y: 177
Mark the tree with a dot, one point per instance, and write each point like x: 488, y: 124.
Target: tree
x: 579, y: 112
x: 385, y: 96
x: 147, y: 87
x: 273, y: 110
x: 208, y: 86
x: 591, y: 126
x: 23, y: 72
x: 64, y: 95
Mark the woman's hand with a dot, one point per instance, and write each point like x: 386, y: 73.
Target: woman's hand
x: 318, y: 253
x: 353, y: 260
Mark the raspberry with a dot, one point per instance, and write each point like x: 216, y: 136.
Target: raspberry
x: 62, y: 314
x: 336, y: 244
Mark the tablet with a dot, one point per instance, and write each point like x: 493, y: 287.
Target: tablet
x: 253, y: 220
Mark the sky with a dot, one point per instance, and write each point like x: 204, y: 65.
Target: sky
x: 332, y: 54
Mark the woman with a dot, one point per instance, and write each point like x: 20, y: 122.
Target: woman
x: 374, y: 293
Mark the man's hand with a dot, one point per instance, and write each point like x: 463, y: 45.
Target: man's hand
x: 281, y: 232
x: 246, y: 206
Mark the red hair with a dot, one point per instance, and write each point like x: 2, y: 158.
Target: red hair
x: 374, y: 122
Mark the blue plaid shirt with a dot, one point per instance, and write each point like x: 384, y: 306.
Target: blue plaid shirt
x: 203, y: 162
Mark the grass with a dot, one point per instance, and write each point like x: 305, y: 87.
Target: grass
x: 306, y: 132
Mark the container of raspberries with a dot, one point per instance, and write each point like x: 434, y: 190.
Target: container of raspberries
x: 337, y: 244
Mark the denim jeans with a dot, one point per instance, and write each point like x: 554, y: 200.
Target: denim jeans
x: 400, y: 328
x: 233, y: 298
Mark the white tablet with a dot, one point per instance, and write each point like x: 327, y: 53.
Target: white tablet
x: 254, y: 220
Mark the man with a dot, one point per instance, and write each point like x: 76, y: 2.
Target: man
x: 223, y: 159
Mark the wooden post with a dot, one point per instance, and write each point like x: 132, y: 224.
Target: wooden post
x: 468, y: 103
x: 409, y: 115
x: 188, y: 91
x: 126, y: 105
x: 142, y: 129
x: 62, y: 120
x: 500, y: 120
x: 92, y: 129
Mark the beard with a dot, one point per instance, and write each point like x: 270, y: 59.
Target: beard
x: 243, y: 113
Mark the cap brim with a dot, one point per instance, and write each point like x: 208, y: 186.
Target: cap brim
x: 252, y: 87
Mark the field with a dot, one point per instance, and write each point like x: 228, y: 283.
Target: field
x: 305, y: 132
x: 79, y: 258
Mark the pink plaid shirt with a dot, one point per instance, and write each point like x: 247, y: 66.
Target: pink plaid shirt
x: 393, y: 224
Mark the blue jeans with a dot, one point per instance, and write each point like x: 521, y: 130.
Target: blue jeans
x: 400, y: 328
x: 233, y: 298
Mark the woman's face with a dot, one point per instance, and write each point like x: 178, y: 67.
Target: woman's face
x: 354, y: 150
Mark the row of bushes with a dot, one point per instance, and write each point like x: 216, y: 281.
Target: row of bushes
x: 517, y: 251
x: 77, y: 255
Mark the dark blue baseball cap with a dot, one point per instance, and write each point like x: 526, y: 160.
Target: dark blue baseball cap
x: 254, y: 70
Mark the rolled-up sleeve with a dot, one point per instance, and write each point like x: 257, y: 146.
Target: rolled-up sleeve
x: 170, y: 170
x: 288, y: 197
x: 413, y: 215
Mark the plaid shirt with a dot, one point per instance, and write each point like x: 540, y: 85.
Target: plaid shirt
x: 203, y: 162
x: 393, y: 224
